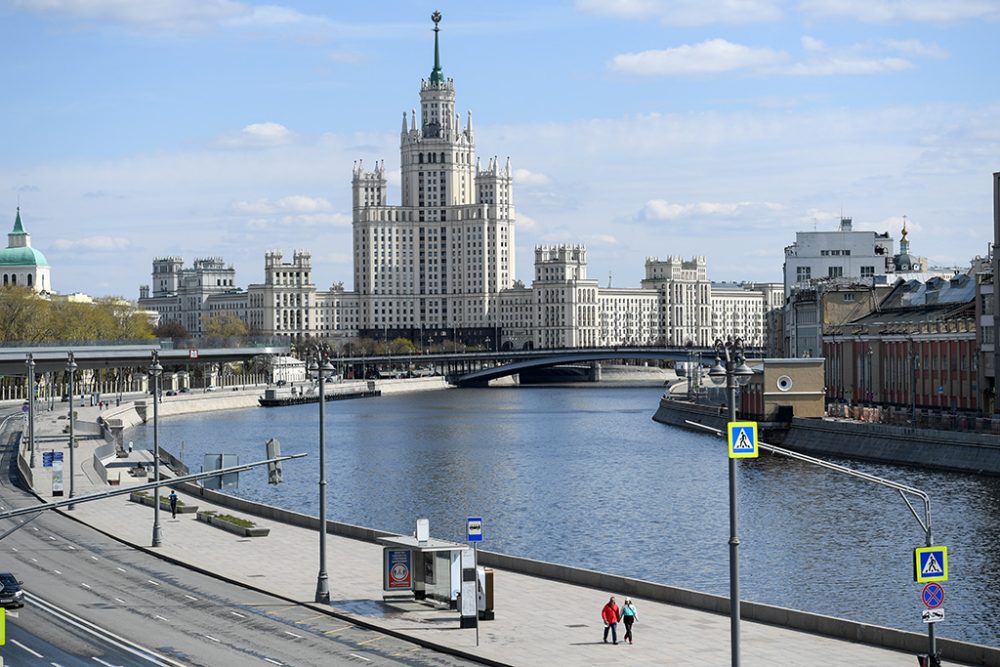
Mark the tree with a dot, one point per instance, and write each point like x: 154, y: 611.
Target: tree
x: 171, y: 329
x: 223, y: 325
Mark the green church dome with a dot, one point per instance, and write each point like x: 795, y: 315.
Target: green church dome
x: 22, y: 257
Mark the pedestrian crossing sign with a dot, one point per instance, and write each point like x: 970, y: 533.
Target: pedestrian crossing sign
x: 930, y: 564
x: 743, y: 440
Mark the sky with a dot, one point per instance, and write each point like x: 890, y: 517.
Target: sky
x: 138, y: 129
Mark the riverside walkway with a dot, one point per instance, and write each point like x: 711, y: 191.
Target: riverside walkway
x: 538, y: 621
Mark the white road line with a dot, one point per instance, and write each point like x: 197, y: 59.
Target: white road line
x: 55, y: 664
x: 273, y: 662
x: 35, y: 528
x: 57, y: 572
x: 120, y: 569
x: 96, y: 659
x: 292, y: 634
x: 14, y: 549
x: 34, y: 560
x: 71, y: 547
x: 159, y: 617
x: 93, y: 558
x: 49, y: 537
x: 360, y: 657
x: 29, y: 650
x: 85, y: 585
x: 236, y: 613
x: 152, y: 582
x: 190, y: 597
x: 211, y: 637
x: 120, y: 600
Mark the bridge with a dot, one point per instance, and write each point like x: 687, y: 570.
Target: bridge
x: 476, y: 369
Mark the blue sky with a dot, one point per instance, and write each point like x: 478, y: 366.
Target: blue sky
x: 202, y: 128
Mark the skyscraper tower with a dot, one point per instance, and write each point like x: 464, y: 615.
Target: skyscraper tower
x: 439, y: 260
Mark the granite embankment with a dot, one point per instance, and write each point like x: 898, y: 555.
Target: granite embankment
x: 932, y: 448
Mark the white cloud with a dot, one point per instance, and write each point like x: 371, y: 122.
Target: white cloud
x: 711, y: 57
x: 812, y: 44
x: 290, y: 204
x: 660, y: 209
x: 96, y: 243
x: 833, y: 64
x: 149, y: 14
x: 530, y: 178
x: 604, y: 239
x: 914, y: 47
x: 881, y: 11
x: 686, y: 12
x: 259, y: 135
x: 524, y: 222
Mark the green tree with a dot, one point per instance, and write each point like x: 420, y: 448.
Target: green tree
x: 223, y: 325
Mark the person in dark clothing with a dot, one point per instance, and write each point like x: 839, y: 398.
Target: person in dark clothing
x: 173, y: 504
x: 610, y: 616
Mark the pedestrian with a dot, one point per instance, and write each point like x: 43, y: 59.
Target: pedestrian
x: 173, y: 504
x: 628, y: 618
x: 610, y: 616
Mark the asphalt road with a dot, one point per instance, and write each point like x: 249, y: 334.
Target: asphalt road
x: 83, y: 586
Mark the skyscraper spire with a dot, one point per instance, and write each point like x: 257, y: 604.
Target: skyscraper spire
x: 436, y: 75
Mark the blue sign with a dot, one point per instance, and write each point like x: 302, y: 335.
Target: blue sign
x: 743, y: 440
x: 933, y: 595
x: 930, y: 564
x: 25, y: 408
x: 474, y: 527
x: 49, y: 457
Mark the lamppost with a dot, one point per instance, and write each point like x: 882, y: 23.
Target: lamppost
x: 70, y: 370
x: 155, y: 370
x: 322, y: 369
x: 871, y: 384
x: 30, y: 363
x: 734, y: 371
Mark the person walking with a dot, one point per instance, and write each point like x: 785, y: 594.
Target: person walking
x: 173, y: 504
x: 610, y: 616
x: 628, y: 618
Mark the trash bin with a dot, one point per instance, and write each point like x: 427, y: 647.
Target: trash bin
x: 485, y: 593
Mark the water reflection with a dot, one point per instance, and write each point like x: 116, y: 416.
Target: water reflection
x: 583, y: 476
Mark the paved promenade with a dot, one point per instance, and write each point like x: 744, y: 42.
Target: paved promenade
x: 538, y: 621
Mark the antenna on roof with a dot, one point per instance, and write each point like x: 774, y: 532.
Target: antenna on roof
x: 609, y: 280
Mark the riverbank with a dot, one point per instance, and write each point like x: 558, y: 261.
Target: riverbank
x: 563, y: 631
x: 883, y: 443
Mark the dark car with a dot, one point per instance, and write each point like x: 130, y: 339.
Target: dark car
x: 11, y: 594
x: 280, y: 383
x: 183, y: 390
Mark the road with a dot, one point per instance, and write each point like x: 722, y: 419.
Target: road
x: 163, y: 613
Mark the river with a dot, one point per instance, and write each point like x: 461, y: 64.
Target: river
x: 583, y: 476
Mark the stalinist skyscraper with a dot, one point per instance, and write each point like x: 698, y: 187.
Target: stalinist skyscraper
x: 438, y: 260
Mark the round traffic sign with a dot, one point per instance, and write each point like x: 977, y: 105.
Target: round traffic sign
x: 933, y: 595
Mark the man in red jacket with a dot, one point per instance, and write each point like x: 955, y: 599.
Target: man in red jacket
x: 611, y: 616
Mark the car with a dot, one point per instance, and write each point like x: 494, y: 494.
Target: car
x: 183, y: 390
x: 11, y: 593
x: 171, y: 392
x: 281, y: 383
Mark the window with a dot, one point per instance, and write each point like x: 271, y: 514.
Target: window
x: 835, y: 272
x: 803, y: 273
x: 867, y: 271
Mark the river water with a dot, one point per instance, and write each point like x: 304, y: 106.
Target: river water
x: 583, y: 476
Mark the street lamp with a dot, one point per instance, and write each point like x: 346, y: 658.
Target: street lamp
x: 155, y: 370
x: 70, y: 370
x: 30, y: 363
x: 322, y: 370
x: 735, y: 370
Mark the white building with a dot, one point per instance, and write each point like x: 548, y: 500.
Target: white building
x: 844, y: 253
x: 20, y: 264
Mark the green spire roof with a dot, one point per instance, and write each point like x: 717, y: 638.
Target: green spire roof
x: 436, y: 75
x: 18, y: 227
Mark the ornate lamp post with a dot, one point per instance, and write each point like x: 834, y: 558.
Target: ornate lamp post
x: 155, y: 370
x: 735, y: 370
x: 70, y: 371
x: 322, y: 370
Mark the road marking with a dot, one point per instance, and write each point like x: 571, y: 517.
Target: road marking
x: 311, y: 618
x: 152, y: 582
x: 292, y: 634
x: 93, y: 558
x: 14, y: 549
x: 49, y: 537
x: 330, y: 632
x: 55, y: 664
x: 35, y: 528
x: 190, y: 597
x: 120, y: 600
x: 159, y: 617
x: 236, y: 613
x: 29, y: 650
x: 211, y: 637
x: 374, y: 639
x: 34, y: 560
x: 120, y: 569
x: 360, y: 657
x: 96, y: 659
x: 274, y: 662
x: 71, y: 547
x: 57, y: 572
x: 85, y: 585
x: 407, y: 651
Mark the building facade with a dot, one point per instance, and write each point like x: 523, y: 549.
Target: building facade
x: 20, y: 264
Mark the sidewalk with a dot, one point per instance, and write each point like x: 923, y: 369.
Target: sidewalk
x: 538, y: 621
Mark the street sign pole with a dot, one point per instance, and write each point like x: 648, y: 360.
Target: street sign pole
x: 474, y: 533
